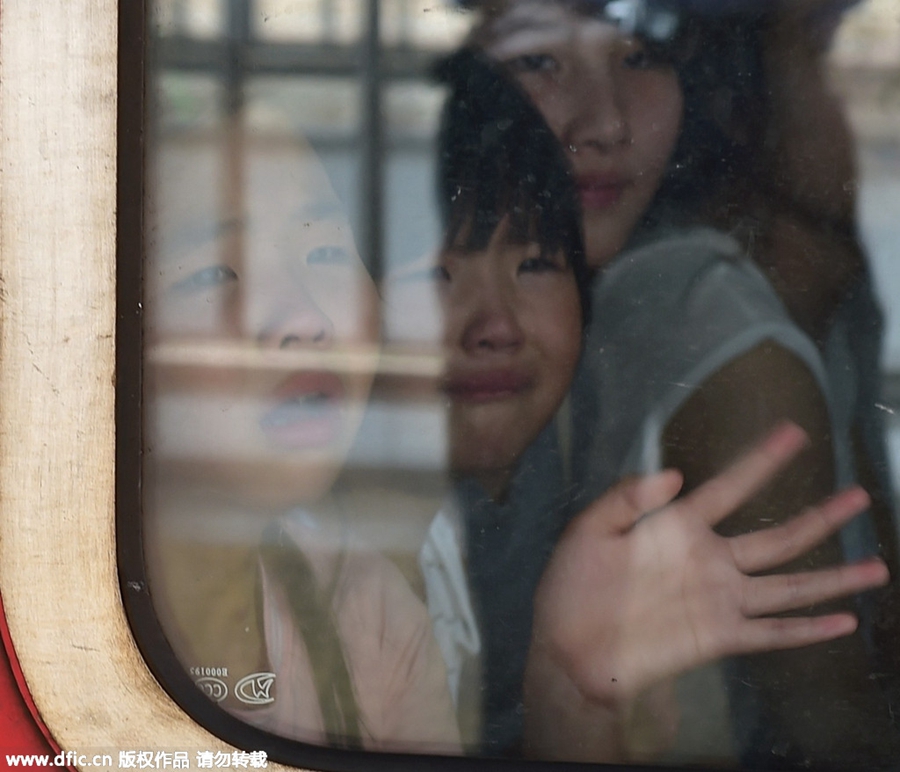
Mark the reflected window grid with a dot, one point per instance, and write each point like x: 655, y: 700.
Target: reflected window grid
x: 294, y: 66
x: 303, y: 78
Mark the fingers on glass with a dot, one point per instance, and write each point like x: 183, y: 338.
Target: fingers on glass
x: 772, y: 547
x: 785, y: 592
x: 625, y: 504
x: 791, y: 633
x: 716, y: 499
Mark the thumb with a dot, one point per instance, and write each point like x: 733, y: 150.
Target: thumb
x: 621, y: 507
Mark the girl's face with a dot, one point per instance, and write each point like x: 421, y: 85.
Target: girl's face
x: 263, y: 329
x: 615, y: 108
x: 513, y: 336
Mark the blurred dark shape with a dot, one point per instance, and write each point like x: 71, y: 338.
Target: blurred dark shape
x: 498, y: 158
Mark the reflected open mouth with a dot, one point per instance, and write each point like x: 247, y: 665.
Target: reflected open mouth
x: 308, y: 413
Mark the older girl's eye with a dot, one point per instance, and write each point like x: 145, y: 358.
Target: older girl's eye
x: 637, y: 56
x: 206, y: 278
x: 527, y: 63
x: 328, y: 255
x: 636, y: 60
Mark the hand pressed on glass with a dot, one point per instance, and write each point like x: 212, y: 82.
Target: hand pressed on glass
x: 640, y: 589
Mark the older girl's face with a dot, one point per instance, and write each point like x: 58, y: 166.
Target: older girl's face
x: 263, y: 330
x: 615, y: 108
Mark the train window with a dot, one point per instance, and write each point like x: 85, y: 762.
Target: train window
x: 518, y: 379
x: 188, y: 102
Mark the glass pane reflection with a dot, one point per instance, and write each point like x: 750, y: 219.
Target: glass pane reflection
x: 426, y: 325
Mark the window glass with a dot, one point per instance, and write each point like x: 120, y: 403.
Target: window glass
x: 196, y: 18
x: 864, y: 64
x: 188, y: 102
x: 520, y: 379
x: 338, y: 21
x: 422, y: 24
x: 322, y: 108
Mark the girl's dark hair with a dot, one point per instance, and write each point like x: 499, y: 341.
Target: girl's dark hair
x: 722, y: 140
x: 497, y: 159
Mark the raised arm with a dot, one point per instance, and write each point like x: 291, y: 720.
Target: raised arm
x: 628, y: 600
x: 783, y: 702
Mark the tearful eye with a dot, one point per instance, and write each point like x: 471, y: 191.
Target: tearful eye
x: 541, y: 265
x: 532, y: 63
x: 206, y: 278
x: 330, y: 255
x: 537, y: 262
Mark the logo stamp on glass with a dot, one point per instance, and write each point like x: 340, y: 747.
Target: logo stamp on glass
x: 255, y: 689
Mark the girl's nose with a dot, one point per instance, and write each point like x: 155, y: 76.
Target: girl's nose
x: 298, y: 322
x: 491, y: 324
x: 594, y: 114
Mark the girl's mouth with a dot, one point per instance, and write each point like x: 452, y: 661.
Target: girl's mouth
x: 599, y: 192
x: 308, y: 413
x: 487, y: 386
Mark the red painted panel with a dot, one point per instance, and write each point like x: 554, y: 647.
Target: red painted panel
x: 20, y: 729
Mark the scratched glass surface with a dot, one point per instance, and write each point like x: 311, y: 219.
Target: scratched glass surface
x: 436, y: 290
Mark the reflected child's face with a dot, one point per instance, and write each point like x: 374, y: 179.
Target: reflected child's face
x: 513, y: 337
x: 263, y: 331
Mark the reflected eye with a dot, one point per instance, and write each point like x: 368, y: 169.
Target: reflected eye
x: 532, y: 63
x: 330, y: 255
x: 206, y: 278
x: 439, y: 273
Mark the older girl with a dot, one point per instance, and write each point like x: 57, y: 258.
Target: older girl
x: 691, y: 353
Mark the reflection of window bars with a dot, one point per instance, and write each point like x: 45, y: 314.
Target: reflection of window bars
x: 371, y: 145
x: 279, y: 58
x: 399, y: 13
x: 179, y: 15
x: 239, y: 53
x: 328, y: 20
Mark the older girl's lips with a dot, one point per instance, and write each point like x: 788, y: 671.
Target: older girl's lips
x: 599, y: 191
x: 308, y: 413
x: 486, y: 385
